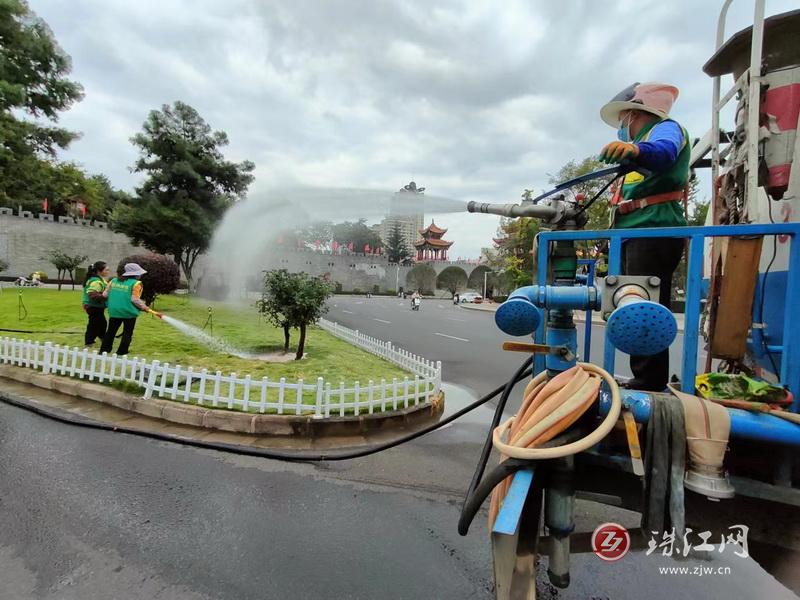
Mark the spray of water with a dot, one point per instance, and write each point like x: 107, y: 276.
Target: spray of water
x: 201, y: 336
x: 244, y: 241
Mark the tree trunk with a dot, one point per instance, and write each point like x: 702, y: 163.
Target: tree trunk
x: 302, y: 343
x: 285, y: 337
x: 60, y: 273
x: 186, y: 259
x: 72, y: 279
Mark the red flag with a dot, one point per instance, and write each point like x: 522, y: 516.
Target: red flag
x: 82, y: 208
x: 317, y: 244
x: 334, y: 244
x: 350, y: 246
x: 366, y: 248
x: 45, y: 205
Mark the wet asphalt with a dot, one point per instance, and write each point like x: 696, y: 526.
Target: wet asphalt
x: 88, y: 514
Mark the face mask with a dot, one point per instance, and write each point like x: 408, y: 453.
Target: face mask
x: 624, y: 133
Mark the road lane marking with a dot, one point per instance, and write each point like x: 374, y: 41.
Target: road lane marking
x: 349, y: 312
x: 452, y: 337
x: 382, y: 320
x: 440, y: 306
x: 362, y: 302
x: 454, y: 319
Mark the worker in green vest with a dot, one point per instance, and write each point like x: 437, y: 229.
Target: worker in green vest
x: 94, y: 303
x: 124, y: 294
x: 648, y: 138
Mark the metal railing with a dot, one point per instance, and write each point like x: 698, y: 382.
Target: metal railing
x: 789, y: 374
x: 319, y: 397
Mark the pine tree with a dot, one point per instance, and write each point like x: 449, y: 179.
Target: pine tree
x: 396, y: 249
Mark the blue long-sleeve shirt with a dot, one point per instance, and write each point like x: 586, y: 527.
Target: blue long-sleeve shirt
x: 662, y: 146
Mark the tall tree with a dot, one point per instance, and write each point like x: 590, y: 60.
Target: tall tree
x: 396, y: 250
x: 514, y: 249
x: 189, y: 185
x: 422, y: 277
x: 34, y: 88
x: 357, y: 233
x: 453, y: 279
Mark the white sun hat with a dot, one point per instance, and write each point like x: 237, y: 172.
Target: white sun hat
x: 655, y: 98
x: 133, y: 270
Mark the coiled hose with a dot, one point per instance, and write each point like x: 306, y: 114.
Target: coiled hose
x: 548, y: 409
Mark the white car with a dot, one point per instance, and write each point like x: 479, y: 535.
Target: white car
x: 471, y: 297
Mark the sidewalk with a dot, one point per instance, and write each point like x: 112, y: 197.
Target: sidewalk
x: 580, y: 316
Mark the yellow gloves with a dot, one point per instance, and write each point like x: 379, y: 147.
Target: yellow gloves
x: 616, y: 152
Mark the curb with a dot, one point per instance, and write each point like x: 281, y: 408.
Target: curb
x: 480, y: 307
x: 295, y: 426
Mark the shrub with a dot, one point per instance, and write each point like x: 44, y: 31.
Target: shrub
x: 3, y: 265
x: 163, y: 274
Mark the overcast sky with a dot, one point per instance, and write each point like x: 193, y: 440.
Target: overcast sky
x: 474, y: 100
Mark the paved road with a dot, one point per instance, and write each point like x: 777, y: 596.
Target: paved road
x: 88, y: 515
x: 466, y: 341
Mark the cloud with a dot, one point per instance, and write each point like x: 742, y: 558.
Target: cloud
x: 475, y: 100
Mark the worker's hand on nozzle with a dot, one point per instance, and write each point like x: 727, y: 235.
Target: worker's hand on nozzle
x: 616, y: 152
x: 155, y: 314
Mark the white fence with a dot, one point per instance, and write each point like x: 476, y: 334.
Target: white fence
x: 243, y: 393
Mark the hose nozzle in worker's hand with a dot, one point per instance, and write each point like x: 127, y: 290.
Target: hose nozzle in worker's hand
x: 155, y: 314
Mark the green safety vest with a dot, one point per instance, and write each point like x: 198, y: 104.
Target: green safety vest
x: 87, y: 300
x: 120, y: 305
x: 635, y: 185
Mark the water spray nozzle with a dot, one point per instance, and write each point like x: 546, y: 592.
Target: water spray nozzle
x: 526, y: 209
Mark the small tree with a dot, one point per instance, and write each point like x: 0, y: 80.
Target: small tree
x: 452, y: 279
x: 396, y: 249
x: 65, y: 263
x: 293, y: 300
x: 163, y: 274
x: 3, y: 265
x: 275, y: 299
x: 421, y: 277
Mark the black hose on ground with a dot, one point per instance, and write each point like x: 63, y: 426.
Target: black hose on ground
x: 521, y: 373
x: 473, y: 502
x: 32, y: 331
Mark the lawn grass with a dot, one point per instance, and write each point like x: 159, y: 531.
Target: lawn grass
x: 326, y: 356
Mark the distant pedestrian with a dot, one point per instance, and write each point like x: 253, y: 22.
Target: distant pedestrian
x: 94, y: 303
x: 124, y: 294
